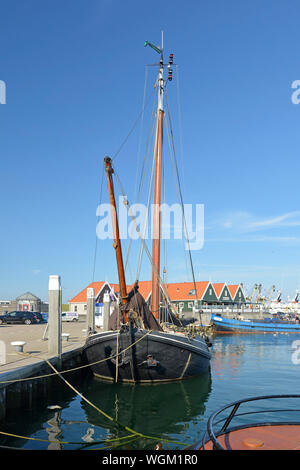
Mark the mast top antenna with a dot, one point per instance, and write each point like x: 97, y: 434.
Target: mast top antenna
x: 157, y: 49
x: 160, y: 49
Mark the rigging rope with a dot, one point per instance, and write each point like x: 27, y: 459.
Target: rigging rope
x: 143, y: 245
x: 131, y: 130
x: 133, y: 434
x: 96, y: 243
x: 180, y: 123
x: 144, y: 167
x: 114, y: 157
x: 141, y: 127
x: 181, y: 146
x: 113, y: 356
x: 147, y: 218
x: 148, y: 253
x: 181, y: 198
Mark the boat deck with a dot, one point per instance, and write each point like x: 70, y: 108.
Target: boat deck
x: 272, y: 437
x: 280, y: 434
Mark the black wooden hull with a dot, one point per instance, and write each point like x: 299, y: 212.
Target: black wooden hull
x: 146, y: 357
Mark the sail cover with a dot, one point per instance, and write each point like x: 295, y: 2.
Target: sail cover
x: 136, y: 304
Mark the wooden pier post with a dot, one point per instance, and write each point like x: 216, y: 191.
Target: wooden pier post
x: 54, y: 317
x: 90, y: 316
x: 106, y: 311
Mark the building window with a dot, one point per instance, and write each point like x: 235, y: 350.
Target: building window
x: 181, y: 304
x: 190, y: 304
x: 210, y: 291
x: 75, y: 308
x: 85, y: 307
x: 192, y: 292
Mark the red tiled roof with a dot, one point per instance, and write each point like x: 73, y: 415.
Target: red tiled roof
x: 180, y: 290
x: 218, y: 288
x: 82, y: 296
x: 176, y: 290
x: 144, y: 289
x: 233, y: 289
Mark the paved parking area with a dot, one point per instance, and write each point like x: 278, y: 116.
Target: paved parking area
x: 35, y: 337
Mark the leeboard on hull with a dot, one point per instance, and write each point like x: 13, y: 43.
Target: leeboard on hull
x: 228, y: 325
x: 145, y: 356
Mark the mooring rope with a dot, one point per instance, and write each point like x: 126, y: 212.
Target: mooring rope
x: 59, y: 442
x: 134, y: 435
x: 66, y: 371
x: 75, y: 368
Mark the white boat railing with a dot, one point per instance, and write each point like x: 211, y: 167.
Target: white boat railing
x: 255, y: 308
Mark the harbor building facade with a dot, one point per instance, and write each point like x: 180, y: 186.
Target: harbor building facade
x: 183, y: 295
x: 78, y: 304
x: 25, y: 302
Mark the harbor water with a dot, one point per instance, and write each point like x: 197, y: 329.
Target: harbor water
x: 170, y: 416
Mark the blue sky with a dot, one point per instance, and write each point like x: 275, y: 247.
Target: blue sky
x: 75, y: 75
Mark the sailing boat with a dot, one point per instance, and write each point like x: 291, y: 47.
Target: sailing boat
x: 137, y: 348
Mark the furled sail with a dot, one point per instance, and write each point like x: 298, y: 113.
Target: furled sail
x: 136, y: 309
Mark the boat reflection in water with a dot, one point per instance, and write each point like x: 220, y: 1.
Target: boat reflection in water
x: 65, y: 421
x: 163, y: 410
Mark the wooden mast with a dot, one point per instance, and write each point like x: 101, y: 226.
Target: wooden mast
x: 114, y: 217
x: 156, y: 234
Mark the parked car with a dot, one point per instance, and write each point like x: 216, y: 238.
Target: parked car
x: 19, y: 317
x: 69, y: 316
x: 44, y: 316
x: 39, y: 317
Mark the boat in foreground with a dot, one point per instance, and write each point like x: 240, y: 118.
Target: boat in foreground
x: 268, y: 325
x: 277, y: 434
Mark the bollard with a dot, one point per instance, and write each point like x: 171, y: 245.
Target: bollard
x: 106, y: 311
x: 54, y: 317
x: 90, y: 316
x: 18, y: 345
